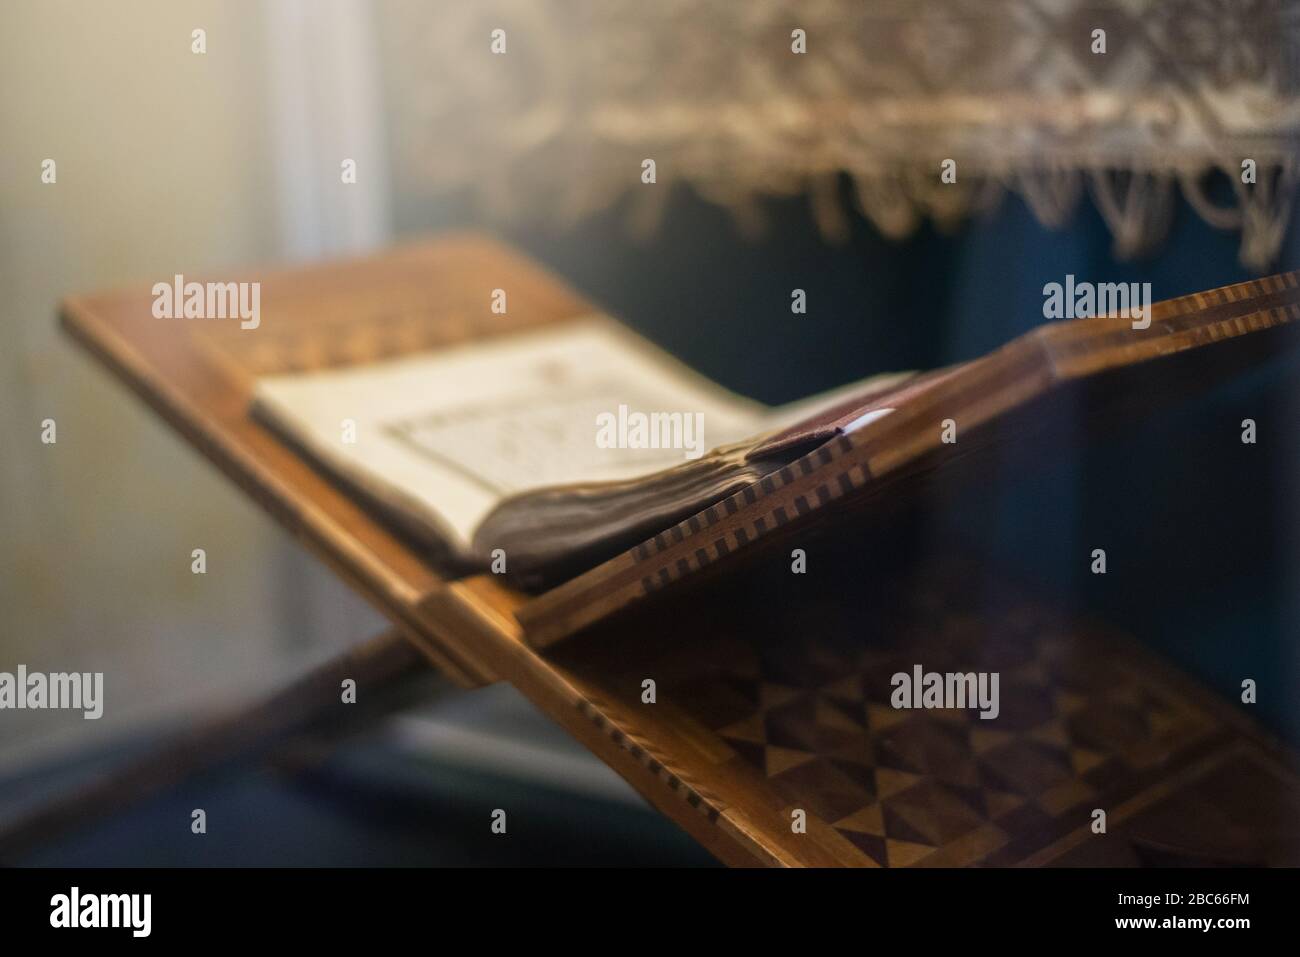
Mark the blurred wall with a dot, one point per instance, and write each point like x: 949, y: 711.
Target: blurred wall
x: 167, y: 161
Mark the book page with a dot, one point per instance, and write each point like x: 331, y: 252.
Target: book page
x: 444, y: 436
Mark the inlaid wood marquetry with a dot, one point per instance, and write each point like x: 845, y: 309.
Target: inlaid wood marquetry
x: 794, y: 700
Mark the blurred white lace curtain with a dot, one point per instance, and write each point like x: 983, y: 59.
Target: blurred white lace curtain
x: 1012, y: 90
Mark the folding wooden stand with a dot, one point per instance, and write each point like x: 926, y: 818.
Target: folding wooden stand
x: 770, y: 738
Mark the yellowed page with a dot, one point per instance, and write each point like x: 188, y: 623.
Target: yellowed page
x: 444, y: 436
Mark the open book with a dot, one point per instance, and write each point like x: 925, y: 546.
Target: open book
x: 568, y: 455
x: 576, y: 452
x: 548, y: 451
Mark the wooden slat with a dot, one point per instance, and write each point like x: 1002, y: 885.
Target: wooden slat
x: 238, y: 734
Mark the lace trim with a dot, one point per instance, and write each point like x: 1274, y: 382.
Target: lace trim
x: 1011, y: 90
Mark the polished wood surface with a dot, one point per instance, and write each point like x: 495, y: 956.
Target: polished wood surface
x: 752, y: 720
x: 198, y: 375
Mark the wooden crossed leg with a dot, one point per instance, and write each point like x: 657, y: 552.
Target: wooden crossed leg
x: 239, y: 733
